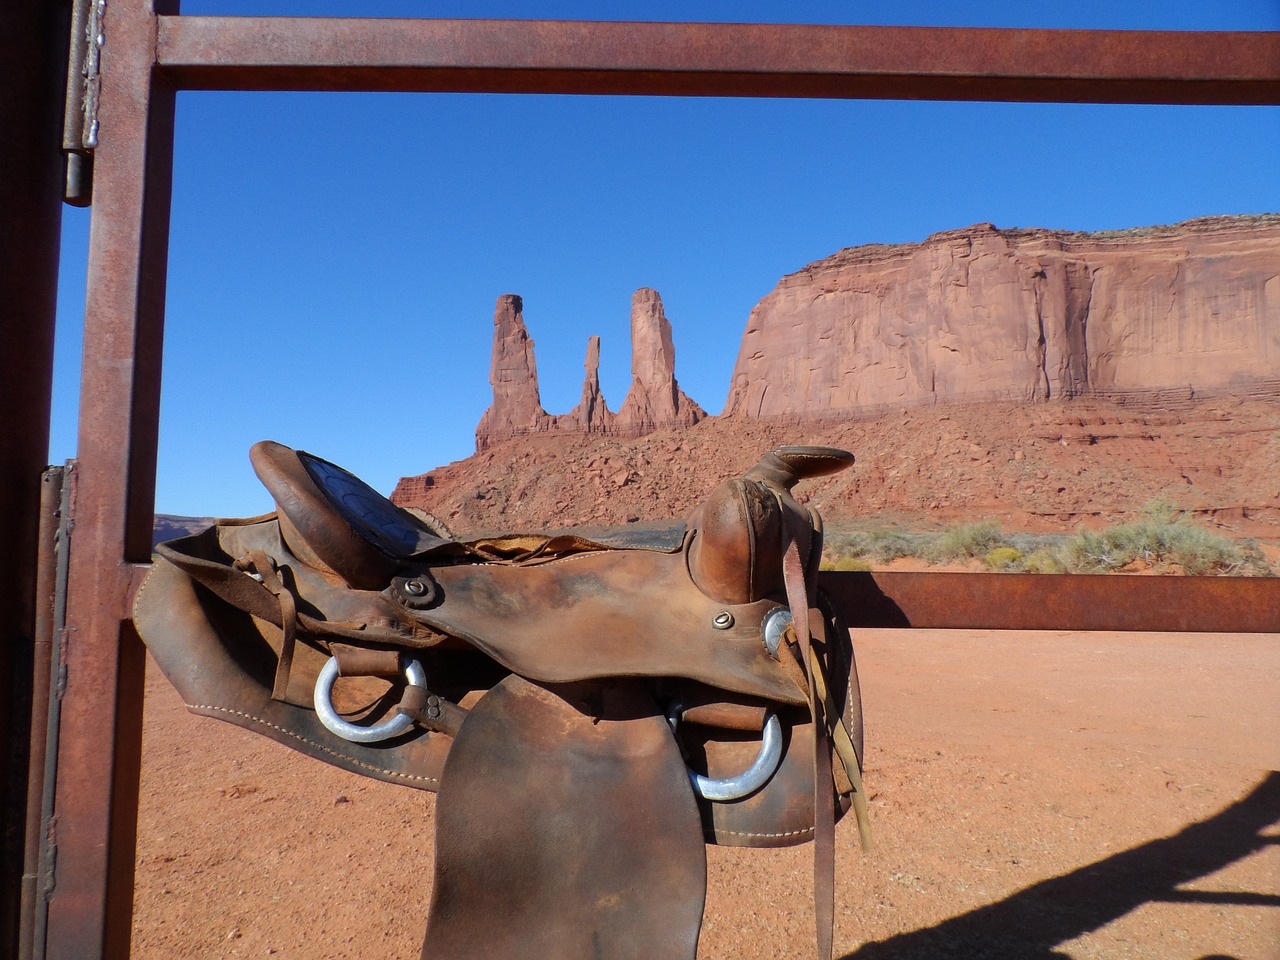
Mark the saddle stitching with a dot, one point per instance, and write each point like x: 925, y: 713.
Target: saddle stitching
x: 789, y: 833
x: 311, y: 743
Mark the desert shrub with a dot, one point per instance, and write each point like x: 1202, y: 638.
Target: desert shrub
x: 1045, y: 560
x: 1003, y: 558
x: 846, y: 564
x: 1162, y: 538
x: 842, y: 546
x: 881, y: 546
x: 886, y: 545
x: 963, y: 543
x: 1255, y: 562
x: 1199, y: 552
x: 1089, y: 552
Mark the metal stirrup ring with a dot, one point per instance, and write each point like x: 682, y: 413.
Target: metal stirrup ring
x: 393, y: 727
x: 751, y: 779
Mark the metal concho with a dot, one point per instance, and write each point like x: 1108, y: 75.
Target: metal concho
x: 775, y: 627
x: 393, y: 727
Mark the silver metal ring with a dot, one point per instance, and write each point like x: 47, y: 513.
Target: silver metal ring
x: 393, y: 727
x: 751, y: 779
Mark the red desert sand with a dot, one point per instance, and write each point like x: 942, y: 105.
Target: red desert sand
x: 1033, y: 795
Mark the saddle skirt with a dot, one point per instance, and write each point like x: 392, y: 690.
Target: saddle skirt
x: 628, y: 675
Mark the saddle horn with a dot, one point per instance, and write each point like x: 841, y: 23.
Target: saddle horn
x: 740, y: 532
x: 787, y: 466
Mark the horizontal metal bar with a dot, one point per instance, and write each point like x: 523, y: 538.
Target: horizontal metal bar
x: 719, y: 59
x: 1014, y: 601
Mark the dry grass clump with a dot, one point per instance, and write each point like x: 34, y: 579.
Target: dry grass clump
x: 879, y: 546
x: 1163, y: 540
x: 972, y: 541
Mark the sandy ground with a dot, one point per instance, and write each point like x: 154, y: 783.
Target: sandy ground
x: 1034, y: 796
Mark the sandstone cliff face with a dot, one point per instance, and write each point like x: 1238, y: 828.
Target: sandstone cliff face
x: 655, y: 399
x: 1023, y: 315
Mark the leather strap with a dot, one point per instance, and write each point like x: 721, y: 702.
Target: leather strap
x: 824, y: 814
x: 850, y: 762
x: 259, y: 563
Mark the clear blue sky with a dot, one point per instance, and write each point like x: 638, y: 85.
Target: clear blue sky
x: 335, y: 258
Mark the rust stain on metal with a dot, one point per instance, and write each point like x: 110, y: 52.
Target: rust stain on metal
x: 100, y: 747
x: 89, y: 913
x: 720, y: 59
x: 1012, y: 601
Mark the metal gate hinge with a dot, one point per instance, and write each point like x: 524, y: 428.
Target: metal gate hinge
x: 80, y: 116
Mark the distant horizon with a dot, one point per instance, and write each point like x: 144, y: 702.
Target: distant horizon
x: 878, y: 248
x: 335, y: 258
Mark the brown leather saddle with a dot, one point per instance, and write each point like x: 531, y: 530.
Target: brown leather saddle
x: 590, y: 708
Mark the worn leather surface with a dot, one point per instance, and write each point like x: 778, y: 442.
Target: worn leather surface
x: 566, y: 823
x: 222, y: 661
x: 565, y: 828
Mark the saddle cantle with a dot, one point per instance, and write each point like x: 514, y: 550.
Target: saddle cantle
x: 589, y: 707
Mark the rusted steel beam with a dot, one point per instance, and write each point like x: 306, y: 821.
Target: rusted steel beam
x: 32, y: 69
x: 720, y: 59
x: 99, y: 753
x: 1013, y: 601
x: 51, y: 584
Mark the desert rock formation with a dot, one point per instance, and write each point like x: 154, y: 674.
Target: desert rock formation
x: 1161, y: 314
x: 655, y: 400
x: 591, y: 415
x: 932, y: 363
x: 513, y: 374
x: 1042, y: 467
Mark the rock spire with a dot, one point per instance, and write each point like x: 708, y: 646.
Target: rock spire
x: 654, y: 401
x: 513, y: 374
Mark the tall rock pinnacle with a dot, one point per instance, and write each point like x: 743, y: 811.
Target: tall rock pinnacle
x: 517, y: 405
x: 592, y: 413
x: 655, y: 400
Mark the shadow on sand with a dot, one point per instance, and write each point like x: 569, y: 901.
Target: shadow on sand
x: 1028, y: 924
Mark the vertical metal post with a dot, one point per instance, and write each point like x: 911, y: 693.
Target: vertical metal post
x: 51, y: 592
x: 90, y: 909
x: 32, y: 71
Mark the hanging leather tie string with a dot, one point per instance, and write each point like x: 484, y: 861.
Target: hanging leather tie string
x: 824, y: 811
x: 846, y: 750
x: 259, y: 563
x: 848, y: 775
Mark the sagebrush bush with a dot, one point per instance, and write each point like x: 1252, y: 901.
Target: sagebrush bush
x: 846, y: 564
x: 1163, y: 538
x: 1003, y: 558
x: 1160, y: 542
x: 882, y: 546
x: 1045, y: 560
x: 973, y: 540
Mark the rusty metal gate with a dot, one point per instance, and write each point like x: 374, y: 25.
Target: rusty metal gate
x: 71, y: 870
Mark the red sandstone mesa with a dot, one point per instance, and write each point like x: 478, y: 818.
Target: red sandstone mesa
x: 1167, y: 340
x: 1024, y: 315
